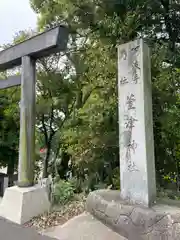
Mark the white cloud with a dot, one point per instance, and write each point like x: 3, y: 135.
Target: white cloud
x: 15, y: 15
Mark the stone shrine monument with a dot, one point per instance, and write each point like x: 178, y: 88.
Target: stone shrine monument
x: 137, y: 163
x: 21, y: 203
x: 134, y: 212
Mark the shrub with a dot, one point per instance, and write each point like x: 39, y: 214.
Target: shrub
x: 77, y: 184
x: 63, y: 192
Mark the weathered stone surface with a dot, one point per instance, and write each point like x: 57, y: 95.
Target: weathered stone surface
x: 160, y: 222
x: 41, y: 45
x: 19, y: 205
x: 10, y: 82
x: 176, y: 233
x: 27, y: 123
x: 136, y: 141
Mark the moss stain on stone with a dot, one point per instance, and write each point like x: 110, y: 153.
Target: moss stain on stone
x: 24, y: 158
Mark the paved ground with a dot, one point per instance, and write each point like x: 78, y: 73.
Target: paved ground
x: 9, y: 231
x: 83, y: 227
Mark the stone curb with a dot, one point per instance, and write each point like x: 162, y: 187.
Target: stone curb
x: 132, y: 221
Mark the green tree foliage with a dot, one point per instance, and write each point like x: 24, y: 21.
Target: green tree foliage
x: 91, y: 132
x: 77, y: 114
x: 9, y: 129
x: 54, y: 104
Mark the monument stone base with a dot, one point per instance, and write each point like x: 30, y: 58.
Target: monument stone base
x: 20, y: 205
x: 135, y: 222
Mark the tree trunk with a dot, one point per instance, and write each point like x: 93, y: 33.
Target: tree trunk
x: 48, y: 147
x: 54, y: 168
x: 62, y: 168
x: 46, y: 161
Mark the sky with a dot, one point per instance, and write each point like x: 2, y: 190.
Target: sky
x: 15, y: 15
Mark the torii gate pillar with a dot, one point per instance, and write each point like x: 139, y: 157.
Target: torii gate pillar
x: 21, y: 203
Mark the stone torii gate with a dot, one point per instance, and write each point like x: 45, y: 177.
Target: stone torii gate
x: 21, y: 203
x: 11, y: 81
